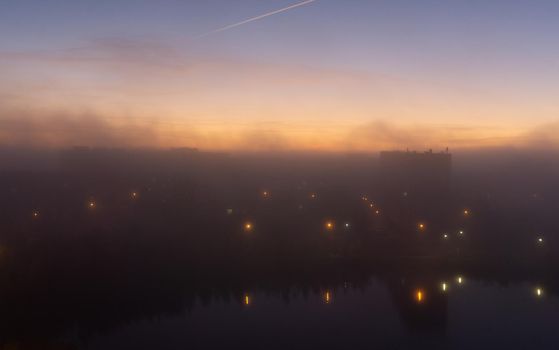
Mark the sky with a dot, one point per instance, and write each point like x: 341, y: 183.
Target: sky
x: 330, y: 75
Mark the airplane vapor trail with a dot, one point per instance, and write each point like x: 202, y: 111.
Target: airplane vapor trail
x: 231, y: 26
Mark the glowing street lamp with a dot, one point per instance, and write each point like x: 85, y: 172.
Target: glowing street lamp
x: 466, y: 212
x: 421, y: 226
x: 539, y: 292
x: 134, y: 195
x: 91, y: 204
x: 444, y: 287
x: 329, y: 225
x: 246, y: 300
x: 248, y: 226
x: 35, y: 214
x: 459, y: 279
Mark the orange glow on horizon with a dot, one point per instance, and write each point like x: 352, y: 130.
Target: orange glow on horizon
x: 293, y: 136
x: 229, y: 118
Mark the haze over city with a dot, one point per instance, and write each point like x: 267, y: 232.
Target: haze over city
x: 279, y: 174
x: 279, y: 75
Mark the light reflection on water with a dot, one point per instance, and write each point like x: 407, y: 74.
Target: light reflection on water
x: 382, y: 314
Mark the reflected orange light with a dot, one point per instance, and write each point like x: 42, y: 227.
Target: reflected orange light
x: 419, y: 296
x: 327, y: 297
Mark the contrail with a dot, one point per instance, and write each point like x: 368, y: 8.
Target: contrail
x: 231, y: 26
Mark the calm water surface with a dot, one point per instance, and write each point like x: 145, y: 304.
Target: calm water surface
x: 465, y: 316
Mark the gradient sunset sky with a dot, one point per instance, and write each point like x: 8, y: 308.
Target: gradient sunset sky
x: 332, y: 75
